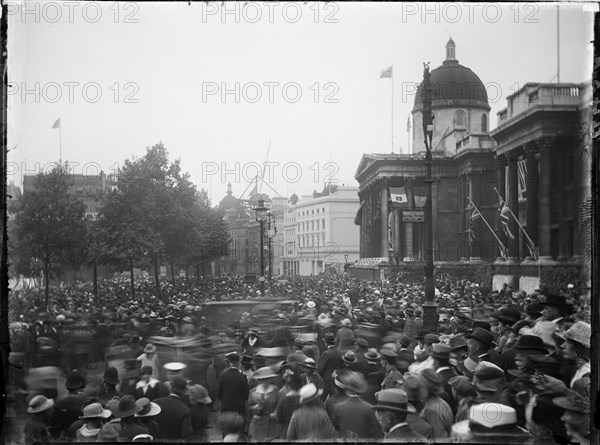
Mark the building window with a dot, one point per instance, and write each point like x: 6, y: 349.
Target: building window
x: 484, y: 123
x: 460, y: 118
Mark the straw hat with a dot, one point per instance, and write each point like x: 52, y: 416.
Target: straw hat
x: 147, y: 408
x: 150, y: 348
x: 39, y: 404
x: 175, y: 366
x: 311, y: 304
x: 308, y: 393
x: 580, y: 332
x: 95, y: 411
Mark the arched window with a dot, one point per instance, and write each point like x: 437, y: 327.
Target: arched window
x: 484, y: 123
x: 460, y: 119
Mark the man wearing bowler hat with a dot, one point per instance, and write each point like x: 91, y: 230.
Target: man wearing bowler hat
x: 69, y: 408
x: 174, y: 420
x: 480, y: 343
x: 111, y: 380
x: 232, y: 388
x: 390, y: 411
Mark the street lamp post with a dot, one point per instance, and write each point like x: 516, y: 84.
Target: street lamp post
x: 430, y: 316
x: 271, y: 233
x: 261, y: 216
x: 346, y: 257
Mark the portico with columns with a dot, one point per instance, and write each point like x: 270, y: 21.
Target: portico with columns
x: 540, y: 158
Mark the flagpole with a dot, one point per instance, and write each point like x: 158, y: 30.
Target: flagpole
x: 392, y: 76
x: 502, y: 246
x: 471, y: 233
x: 530, y: 244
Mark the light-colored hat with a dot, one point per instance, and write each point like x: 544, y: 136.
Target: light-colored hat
x: 266, y: 372
x: 175, y: 366
x: 95, y: 411
x: 150, y: 348
x: 311, y: 304
x: 147, y: 408
x: 346, y: 322
x: 492, y: 415
x: 39, y: 404
x: 308, y: 393
x: 580, y: 332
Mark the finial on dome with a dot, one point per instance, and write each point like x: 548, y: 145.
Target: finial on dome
x: 229, y: 191
x: 450, y: 50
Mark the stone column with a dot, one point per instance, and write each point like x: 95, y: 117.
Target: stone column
x: 513, y: 203
x: 501, y: 187
x: 408, y: 227
x: 544, y: 146
x: 397, y: 235
x: 561, y: 198
x: 463, y: 238
x: 532, y: 193
x: 383, y: 202
x: 435, y: 209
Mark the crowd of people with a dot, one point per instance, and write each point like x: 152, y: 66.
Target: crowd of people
x: 348, y: 360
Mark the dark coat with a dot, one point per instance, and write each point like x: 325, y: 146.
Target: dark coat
x: 330, y: 360
x: 405, y: 434
x: 419, y: 426
x: 127, y: 430
x: 174, y: 419
x: 68, y: 410
x: 353, y: 418
x: 233, y: 391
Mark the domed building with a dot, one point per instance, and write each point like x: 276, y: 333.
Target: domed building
x: 393, y: 189
x: 536, y: 160
x: 459, y: 103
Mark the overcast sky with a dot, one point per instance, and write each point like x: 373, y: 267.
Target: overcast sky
x: 140, y: 73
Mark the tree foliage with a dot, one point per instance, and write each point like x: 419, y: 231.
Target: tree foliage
x: 47, y: 226
x: 155, y: 214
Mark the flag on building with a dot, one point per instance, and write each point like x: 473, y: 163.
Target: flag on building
x: 399, y: 197
x: 420, y: 196
x: 387, y: 73
x: 56, y: 124
x: 504, y: 219
x: 475, y: 215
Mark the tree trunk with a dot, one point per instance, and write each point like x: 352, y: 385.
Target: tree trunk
x: 156, y: 276
x: 172, y: 273
x: 132, y: 284
x: 95, y: 279
x: 47, y: 284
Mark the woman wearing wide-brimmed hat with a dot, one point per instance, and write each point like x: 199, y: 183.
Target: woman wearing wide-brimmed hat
x: 37, y: 426
x: 146, y: 416
x: 310, y: 421
x: 150, y: 358
x: 263, y: 403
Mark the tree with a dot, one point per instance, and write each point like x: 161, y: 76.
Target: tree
x: 48, y: 225
x: 155, y: 213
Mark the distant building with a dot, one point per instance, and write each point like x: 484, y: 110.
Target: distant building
x: 319, y: 231
x: 537, y: 160
x: 87, y: 188
x: 543, y: 153
x: 463, y: 168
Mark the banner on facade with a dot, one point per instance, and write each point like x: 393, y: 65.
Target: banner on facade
x: 413, y: 216
x: 399, y: 197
